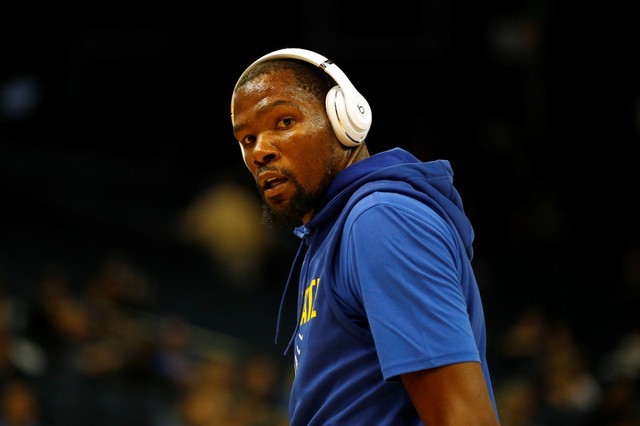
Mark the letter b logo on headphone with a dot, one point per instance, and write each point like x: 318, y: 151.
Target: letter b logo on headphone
x: 348, y: 111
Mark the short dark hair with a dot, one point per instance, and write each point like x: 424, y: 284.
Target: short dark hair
x: 309, y: 77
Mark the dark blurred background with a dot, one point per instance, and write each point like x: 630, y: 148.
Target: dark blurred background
x: 131, y: 259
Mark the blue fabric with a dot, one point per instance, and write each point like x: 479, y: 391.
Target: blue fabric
x: 386, y: 287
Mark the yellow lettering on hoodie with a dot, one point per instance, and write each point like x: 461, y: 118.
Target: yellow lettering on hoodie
x: 308, y: 310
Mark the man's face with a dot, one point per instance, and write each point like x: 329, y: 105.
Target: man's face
x: 287, y: 144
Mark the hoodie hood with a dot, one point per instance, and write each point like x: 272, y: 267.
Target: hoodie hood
x: 430, y: 182
x: 397, y: 171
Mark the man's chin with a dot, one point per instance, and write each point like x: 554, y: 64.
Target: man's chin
x: 278, y: 216
x: 290, y: 210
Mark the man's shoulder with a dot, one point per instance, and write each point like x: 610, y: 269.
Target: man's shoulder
x: 391, y: 193
x: 386, y: 204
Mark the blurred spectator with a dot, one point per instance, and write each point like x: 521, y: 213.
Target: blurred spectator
x: 258, y: 402
x: 19, y: 405
x: 518, y: 400
x: 172, y: 360
x: 544, y: 377
x: 225, y: 222
x: 206, y: 399
x: 570, y: 390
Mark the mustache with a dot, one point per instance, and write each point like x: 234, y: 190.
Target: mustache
x: 273, y: 169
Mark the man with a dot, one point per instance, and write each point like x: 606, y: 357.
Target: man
x: 391, y: 327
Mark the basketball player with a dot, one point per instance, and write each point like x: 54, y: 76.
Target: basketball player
x: 390, y: 327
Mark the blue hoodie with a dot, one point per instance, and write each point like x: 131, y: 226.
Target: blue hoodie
x: 386, y: 287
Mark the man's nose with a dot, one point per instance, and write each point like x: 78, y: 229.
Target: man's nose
x: 264, y: 150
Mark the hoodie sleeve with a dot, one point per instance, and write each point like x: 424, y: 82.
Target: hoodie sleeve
x: 404, y: 267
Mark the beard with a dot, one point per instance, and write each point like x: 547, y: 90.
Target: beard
x: 300, y: 204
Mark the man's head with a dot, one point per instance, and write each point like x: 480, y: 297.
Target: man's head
x: 348, y: 111
x: 286, y: 137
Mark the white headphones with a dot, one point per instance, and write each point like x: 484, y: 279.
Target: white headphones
x: 348, y: 111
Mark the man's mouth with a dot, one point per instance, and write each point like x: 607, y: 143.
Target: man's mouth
x: 273, y: 183
x: 269, y: 179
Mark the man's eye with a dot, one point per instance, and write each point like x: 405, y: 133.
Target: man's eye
x: 248, y: 140
x: 285, y: 122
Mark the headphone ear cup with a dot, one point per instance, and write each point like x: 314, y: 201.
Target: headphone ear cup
x: 334, y: 103
x: 339, y: 118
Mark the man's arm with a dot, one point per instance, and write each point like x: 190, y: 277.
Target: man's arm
x: 454, y: 394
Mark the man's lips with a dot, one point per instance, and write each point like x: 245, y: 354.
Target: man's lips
x: 269, y: 181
